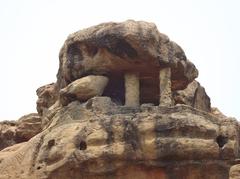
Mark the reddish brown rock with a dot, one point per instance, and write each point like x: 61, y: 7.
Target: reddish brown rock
x: 28, y: 126
x: 7, y: 134
x: 194, y: 95
x: 13, y: 132
x: 83, y: 89
x: 128, y: 127
x: 47, y: 96
x: 113, y: 48
x: 83, y: 140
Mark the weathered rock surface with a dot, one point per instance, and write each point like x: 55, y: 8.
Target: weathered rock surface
x: 111, y: 48
x: 234, y: 172
x: 13, y: 132
x: 83, y: 89
x: 7, y: 134
x: 85, y: 141
x: 47, y: 96
x: 125, y: 105
x: 194, y: 95
x: 215, y: 111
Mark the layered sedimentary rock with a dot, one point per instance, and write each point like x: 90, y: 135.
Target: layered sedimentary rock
x: 83, y: 89
x: 125, y: 105
x: 194, y: 95
x: 47, y: 96
x: 113, y: 49
x: 99, y: 139
x: 13, y: 132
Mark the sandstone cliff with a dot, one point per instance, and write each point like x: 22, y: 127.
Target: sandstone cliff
x: 125, y: 105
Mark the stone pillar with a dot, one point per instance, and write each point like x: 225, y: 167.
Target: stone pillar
x: 165, y: 87
x: 132, y: 89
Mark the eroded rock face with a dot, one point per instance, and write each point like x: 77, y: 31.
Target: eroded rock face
x: 111, y: 48
x: 194, y: 95
x: 13, y: 132
x: 83, y: 89
x: 28, y: 126
x: 153, y: 121
x: 47, y: 96
x: 99, y: 139
x: 7, y: 134
x: 114, y: 50
x: 234, y: 172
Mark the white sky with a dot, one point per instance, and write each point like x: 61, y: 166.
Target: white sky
x: 32, y: 33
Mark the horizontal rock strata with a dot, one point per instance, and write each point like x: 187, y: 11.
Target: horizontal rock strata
x: 125, y: 105
x: 99, y: 143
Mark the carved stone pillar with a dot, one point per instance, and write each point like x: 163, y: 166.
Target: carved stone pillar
x: 165, y: 87
x: 132, y: 90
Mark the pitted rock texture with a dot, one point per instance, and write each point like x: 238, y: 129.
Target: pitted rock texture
x: 13, y: 132
x: 112, y: 48
x: 234, y: 172
x: 85, y: 141
x: 145, y: 116
x: 83, y: 89
x: 194, y: 95
x: 47, y: 96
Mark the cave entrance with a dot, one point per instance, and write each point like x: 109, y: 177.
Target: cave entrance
x: 116, y: 88
x: 149, y: 88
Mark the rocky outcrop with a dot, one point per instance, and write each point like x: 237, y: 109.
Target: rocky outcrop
x: 47, y: 96
x: 115, y: 50
x: 234, y: 172
x: 125, y: 105
x: 13, y: 132
x: 215, y: 111
x: 194, y: 95
x: 99, y: 139
x: 111, y: 48
x: 7, y: 134
x: 83, y: 89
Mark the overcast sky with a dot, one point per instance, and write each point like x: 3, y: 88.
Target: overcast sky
x: 32, y: 33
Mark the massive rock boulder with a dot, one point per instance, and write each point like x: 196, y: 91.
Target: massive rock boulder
x: 83, y: 89
x: 194, y: 95
x: 99, y: 139
x: 114, y: 50
x: 125, y: 105
x: 111, y: 48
